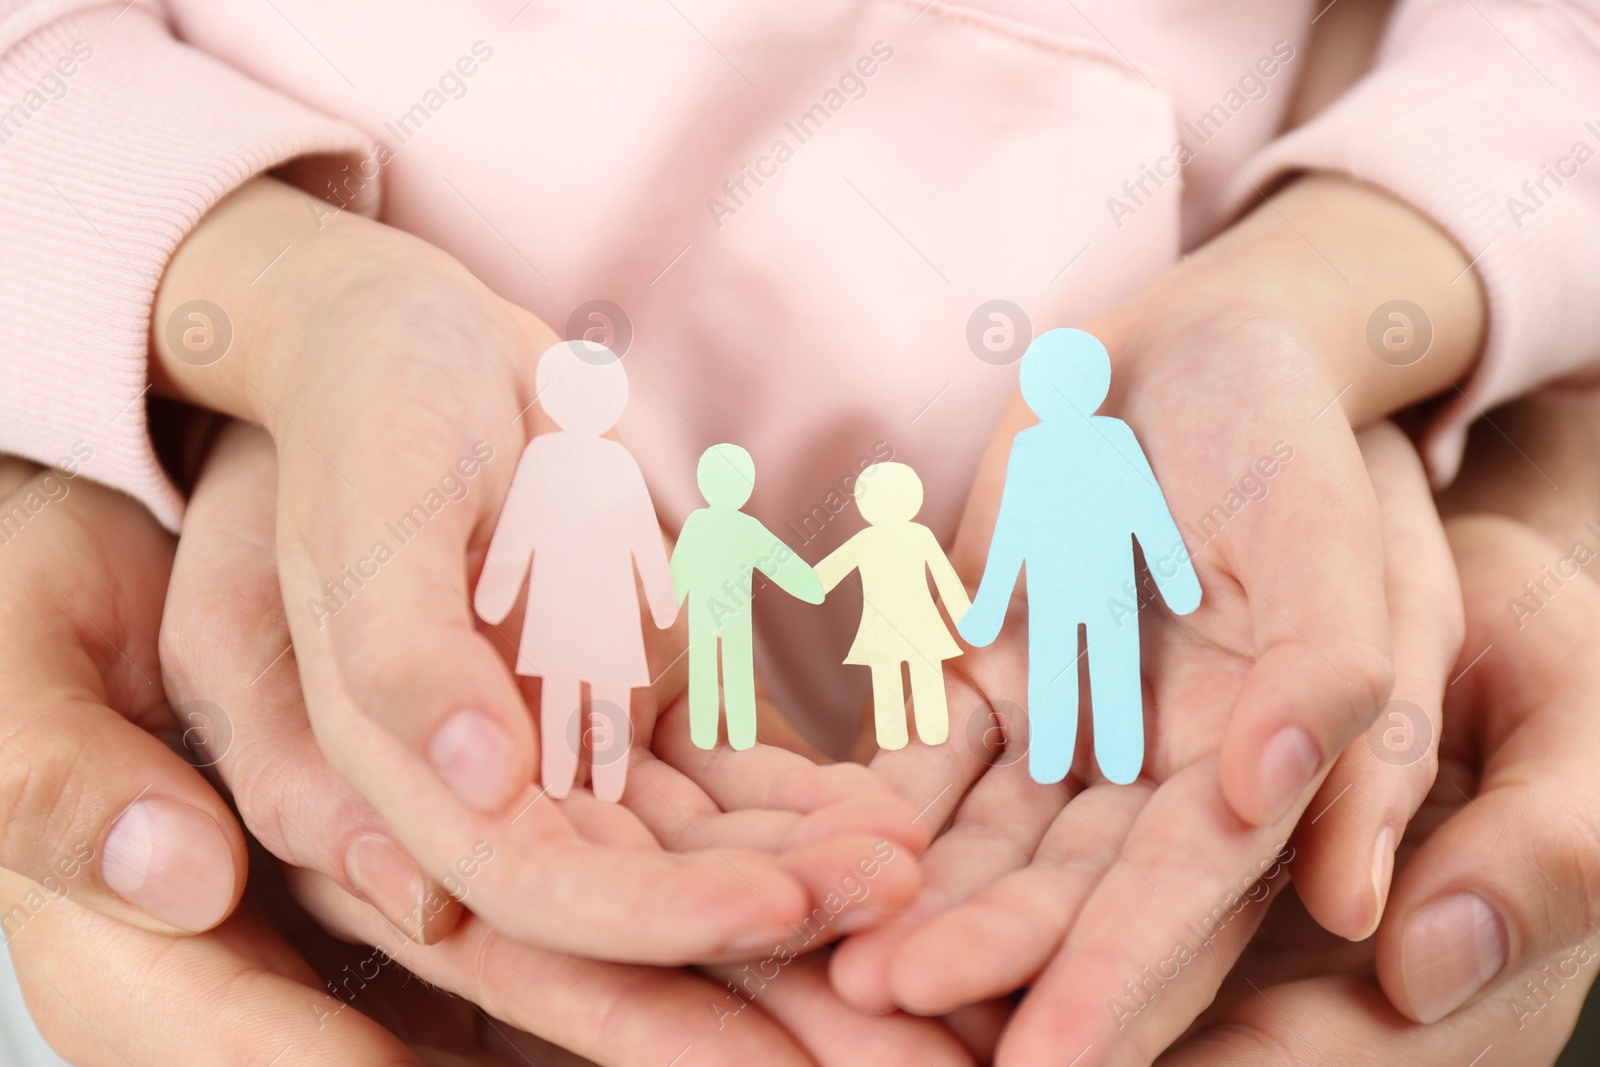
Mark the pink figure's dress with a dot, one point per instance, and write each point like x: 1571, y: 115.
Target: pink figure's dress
x: 579, y: 506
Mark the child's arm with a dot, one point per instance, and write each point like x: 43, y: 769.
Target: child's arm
x: 784, y: 566
x: 945, y: 579
x: 836, y: 564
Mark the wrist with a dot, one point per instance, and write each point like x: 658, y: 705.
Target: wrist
x: 1324, y: 265
x: 250, y: 297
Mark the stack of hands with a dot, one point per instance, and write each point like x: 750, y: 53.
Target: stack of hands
x: 1353, y: 706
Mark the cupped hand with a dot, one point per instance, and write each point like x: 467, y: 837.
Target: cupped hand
x: 94, y: 805
x: 1084, y: 891
x: 1487, y: 949
x: 399, y: 393
x: 122, y: 866
x: 225, y: 617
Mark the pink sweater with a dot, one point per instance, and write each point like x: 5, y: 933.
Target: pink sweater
x: 799, y: 205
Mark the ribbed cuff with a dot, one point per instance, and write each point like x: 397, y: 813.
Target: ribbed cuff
x: 123, y: 138
x: 1467, y: 103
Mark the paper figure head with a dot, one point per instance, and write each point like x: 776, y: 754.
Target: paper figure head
x: 888, y: 492
x: 1065, y: 372
x: 727, y: 476
x: 582, y: 395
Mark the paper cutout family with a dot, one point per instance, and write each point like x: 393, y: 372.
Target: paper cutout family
x: 578, y: 523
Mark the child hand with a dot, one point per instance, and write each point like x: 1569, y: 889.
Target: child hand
x: 1275, y: 647
x: 398, y: 392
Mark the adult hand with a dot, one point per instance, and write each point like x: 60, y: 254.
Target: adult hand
x: 92, y: 803
x: 113, y: 845
x: 399, y: 392
x: 1488, y: 946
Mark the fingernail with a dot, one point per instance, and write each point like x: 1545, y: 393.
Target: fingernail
x: 171, y: 861
x: 389, y: 880
x: 1451, y: 949
x: 473, y: 756
x: 1382, y: 873
x: 1288, y: 762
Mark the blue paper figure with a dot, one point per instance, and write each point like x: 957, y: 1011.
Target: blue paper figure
x: 1078, y: 491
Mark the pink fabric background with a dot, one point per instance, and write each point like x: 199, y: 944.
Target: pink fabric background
x: 821, y: 324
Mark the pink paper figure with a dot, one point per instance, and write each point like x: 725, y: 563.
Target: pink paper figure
x: 578, y: 510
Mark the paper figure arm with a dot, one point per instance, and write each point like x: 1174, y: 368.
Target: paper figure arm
x: 945, y: 579
x: 980, y: 624
x: 650, y: 556
x: 1157, y: 533
x: 793, y: 574
x: 505, y: 566
x: 683, y: 554
x: 836, y: 564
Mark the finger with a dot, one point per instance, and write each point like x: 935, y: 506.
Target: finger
x: 614, y: 1014
x: 532, y: 874
x: 1345, y: 1019
x: 996, y: 831
x: 90, y: 803
x: 1149, y: 948
x: 795, y: 992
x: 815, y: 801
x: 1345, y: 853
x: 374, y: 546
x: 1322, y: 649
x: 224, y: 620
x: 855, y: 878
x: 1514, y: 875
x: 106, y: 994
x: 999, y: 939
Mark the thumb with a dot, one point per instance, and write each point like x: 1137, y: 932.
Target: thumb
x: 92, y: 805
x: 1514, y: 875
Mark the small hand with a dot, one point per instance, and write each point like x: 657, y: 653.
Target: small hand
x: 398, y: 392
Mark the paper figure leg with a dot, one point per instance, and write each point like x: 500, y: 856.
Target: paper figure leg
x: 739, y: 686
x: 702, y: 682
x: 889, y: 706
x: 559, y: 720
x: 610, y: 739
x: 1052, y: 701
x: 928, y: 701
x: 1118, y: 701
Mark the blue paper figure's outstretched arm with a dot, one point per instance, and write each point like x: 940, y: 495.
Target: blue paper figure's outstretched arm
x: 1164, y: 550
x: 981, y: 623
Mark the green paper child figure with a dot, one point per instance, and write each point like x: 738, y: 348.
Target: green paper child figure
x: 713, y: 565
x: 900, y: 621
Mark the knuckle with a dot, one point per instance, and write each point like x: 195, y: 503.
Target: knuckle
x: 43, y: 778
x: 1573, y: 849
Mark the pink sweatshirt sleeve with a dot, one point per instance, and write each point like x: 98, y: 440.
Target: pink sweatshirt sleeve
x: 1485, y: 116
x: 115, y: 139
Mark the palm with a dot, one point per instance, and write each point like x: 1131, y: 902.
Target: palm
x: 1074, y: 888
